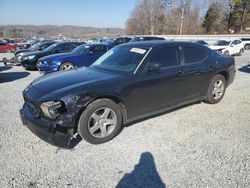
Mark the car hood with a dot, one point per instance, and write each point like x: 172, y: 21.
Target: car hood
x: 32, y: 53
x: 218, y: 47
x: 58, y: 56
x: 68, y: 80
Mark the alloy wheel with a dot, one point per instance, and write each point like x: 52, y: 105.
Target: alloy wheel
x: 102, y: 122
x: 67, y: 66
x: 218, y: 89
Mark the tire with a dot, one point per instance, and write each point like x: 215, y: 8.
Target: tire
x: 215, y: 95
x: 67, y: 66
x: 100, y: 122
x: 247, y: 47
x: 226, y: 52
x: 241, y: 52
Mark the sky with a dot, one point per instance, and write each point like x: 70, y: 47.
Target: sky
x: 94, y: 13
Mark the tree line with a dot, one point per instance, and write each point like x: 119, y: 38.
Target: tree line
x: 158, y: 17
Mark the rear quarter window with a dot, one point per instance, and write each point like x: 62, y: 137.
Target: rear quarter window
x: 193, y: 54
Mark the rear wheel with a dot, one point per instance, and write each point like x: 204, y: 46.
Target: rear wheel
x: 216, y: 89
x: 100, y: 122
x: 67, y: 66
x: 247, y: 47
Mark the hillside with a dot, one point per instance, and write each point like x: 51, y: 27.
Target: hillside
x: 53, y: 31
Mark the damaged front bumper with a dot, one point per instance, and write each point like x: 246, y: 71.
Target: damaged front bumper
x: 48, y: 131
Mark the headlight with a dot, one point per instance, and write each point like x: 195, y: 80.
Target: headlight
x: 29, y: 57
x: 52, y: 109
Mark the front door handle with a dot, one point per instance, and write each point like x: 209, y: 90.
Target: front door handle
x: 193, y: 73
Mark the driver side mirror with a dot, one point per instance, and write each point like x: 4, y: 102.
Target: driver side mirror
x: 232, y: 45
x: 154, y: 66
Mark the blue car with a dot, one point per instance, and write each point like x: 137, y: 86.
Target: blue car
x: 81, y: 56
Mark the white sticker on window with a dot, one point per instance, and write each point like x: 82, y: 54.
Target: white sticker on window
x: 138, y: 50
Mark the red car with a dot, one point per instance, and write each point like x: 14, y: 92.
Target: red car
x: 4, y: 47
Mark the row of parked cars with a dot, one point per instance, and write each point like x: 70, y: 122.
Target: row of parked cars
x: 51, y: 56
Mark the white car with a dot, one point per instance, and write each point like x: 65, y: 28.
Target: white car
x: 246, y: 43
x: 229, y: 47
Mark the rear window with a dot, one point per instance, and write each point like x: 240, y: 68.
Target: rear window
x: 193, y: 54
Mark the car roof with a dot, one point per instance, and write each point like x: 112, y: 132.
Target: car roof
x: 155, y: 43
x: 95, y: 44
x: 66, y: 42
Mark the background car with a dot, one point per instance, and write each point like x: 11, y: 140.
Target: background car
x: 29, y: 60
x: 229, y: 47
x: 201, y: 42
x: 39, y: 46
x: 120, y: 40
x: 246, y: 43
x: 145, y: 38
x: 129, y: 82
x: 7, y: 48
x: 115, y: 41
x: 83, y: 55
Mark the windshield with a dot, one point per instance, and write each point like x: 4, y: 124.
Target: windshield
x: 81, y: 49
x: 223, y: 43
x: 121, y: 59
x: 51, y: 47
x: 35, y: 46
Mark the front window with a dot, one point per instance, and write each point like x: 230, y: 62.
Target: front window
x: 121, y: 59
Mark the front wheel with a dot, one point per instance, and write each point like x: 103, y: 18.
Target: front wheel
x: 241, y: 52
x: 100, y: 122
x: 226, y: 52
x: 67, y: 66
x: 216, y: 89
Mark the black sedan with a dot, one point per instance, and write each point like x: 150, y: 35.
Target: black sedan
x: 130, y: 82
x: 37, y: 47
x: 29, y: 60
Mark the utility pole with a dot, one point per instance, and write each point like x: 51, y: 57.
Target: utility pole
x: 182, y: 16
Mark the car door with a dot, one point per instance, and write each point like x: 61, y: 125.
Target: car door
x: 161, y: 88
x: 197, y: 70
x: 234, y: 47
x: 239, y: 46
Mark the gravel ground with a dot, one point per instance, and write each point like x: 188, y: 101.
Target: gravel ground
x: 199, y: 145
